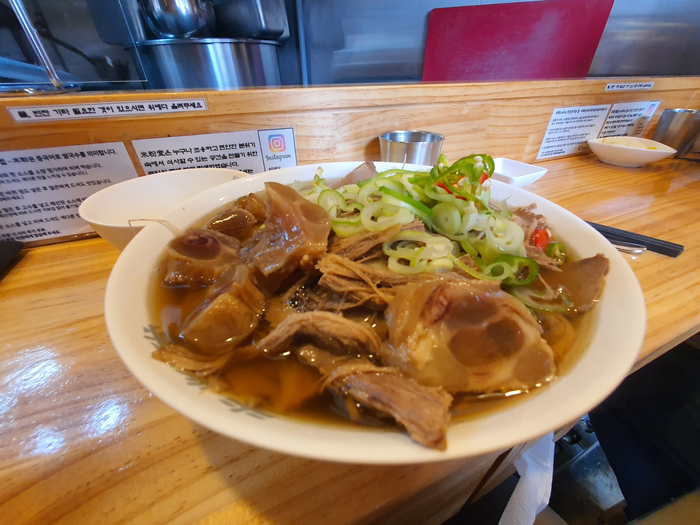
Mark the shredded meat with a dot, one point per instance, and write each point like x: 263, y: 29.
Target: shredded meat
x: 326, y: 330
x: 356, y: 246
x: 541, y: 258
x: 364, y: 283
x: 423, y: 411
x: 417, y: 226
x: 528, y: 220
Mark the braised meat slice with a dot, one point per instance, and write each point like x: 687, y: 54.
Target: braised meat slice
x: 583, y: 280
x: 199, y: 257
x: 423, y: 411
x: 253, y: 204
x: 327, y: 330
x: 295, y: 236
x: 364, y: 171
x: 183, y: 359
x: 226, y: 317
x: 467, y: 336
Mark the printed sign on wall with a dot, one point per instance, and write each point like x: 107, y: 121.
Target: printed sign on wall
x: 105, y: 109
x: 570, y: 128
x: 42, y: 189
x: 629, y: 119
x: 246, y: 151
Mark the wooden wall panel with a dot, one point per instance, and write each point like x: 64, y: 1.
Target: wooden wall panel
x: 343, y: 122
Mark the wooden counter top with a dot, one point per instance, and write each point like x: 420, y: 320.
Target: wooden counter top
x: 83, y: 442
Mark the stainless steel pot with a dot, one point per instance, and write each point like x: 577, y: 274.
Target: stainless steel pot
x: 209, y: 63
x: 179, y: 18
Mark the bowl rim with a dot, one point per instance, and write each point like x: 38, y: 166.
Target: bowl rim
x: 536, y: 413
x: 88, y: 203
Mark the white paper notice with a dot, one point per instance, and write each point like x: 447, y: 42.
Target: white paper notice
x: 628, y: 86
x: 246, y: 151
x: 41, y: 189
x: 105, y: 109
x: 570, y: 128
x: 628, y: 119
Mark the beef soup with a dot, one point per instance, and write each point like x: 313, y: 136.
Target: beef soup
x: 397, y: 299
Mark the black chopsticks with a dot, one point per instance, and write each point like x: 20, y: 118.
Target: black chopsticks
x: 655, y: 245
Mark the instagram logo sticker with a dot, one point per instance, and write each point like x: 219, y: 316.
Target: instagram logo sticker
x: 276, y: 143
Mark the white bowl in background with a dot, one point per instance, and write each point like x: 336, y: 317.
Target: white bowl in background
x: 629, y: 152
x: 515, y: 173
x: 109, y: 210
x: 613, y: 342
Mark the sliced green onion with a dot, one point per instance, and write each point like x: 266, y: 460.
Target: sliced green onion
x: 378, y: 216
x: 439, y: 265
x: 446, y: 216
x: 395, y: 266
x: 409, y: 202
x: 331, y: 201
x: 469, y: 249
x: 348, y: 229
x: 472, y: 271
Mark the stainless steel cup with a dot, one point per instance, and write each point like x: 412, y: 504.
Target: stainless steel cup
x: 678, y: 128
x: 411, y: 147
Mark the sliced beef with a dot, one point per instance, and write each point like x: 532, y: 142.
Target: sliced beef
x: 364, y: 171
x: 583, y: 280
x: 423, y: 411
x: 199, y: 257
x: 467, y: 336
x: 226, y: 317
x: 327, y: 330
x: 295, y: 236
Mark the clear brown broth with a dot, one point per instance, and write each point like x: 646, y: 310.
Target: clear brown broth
x: 324, y: 407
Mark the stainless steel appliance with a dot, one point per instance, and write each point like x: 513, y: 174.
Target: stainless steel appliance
x: 224, y: 63
x: 180, y: 19
x: 221, y: 44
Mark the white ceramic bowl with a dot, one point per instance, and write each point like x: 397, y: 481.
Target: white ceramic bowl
x: 629, y: 152
x: 515, y: 173
x: 615, y: 339
x: 108, y: 211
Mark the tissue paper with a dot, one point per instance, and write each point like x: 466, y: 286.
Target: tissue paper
x: 532, y: 492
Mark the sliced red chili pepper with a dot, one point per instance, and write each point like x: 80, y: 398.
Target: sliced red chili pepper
x: 541, y: 238
x: 484, y: 178
x: 448, y: 190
